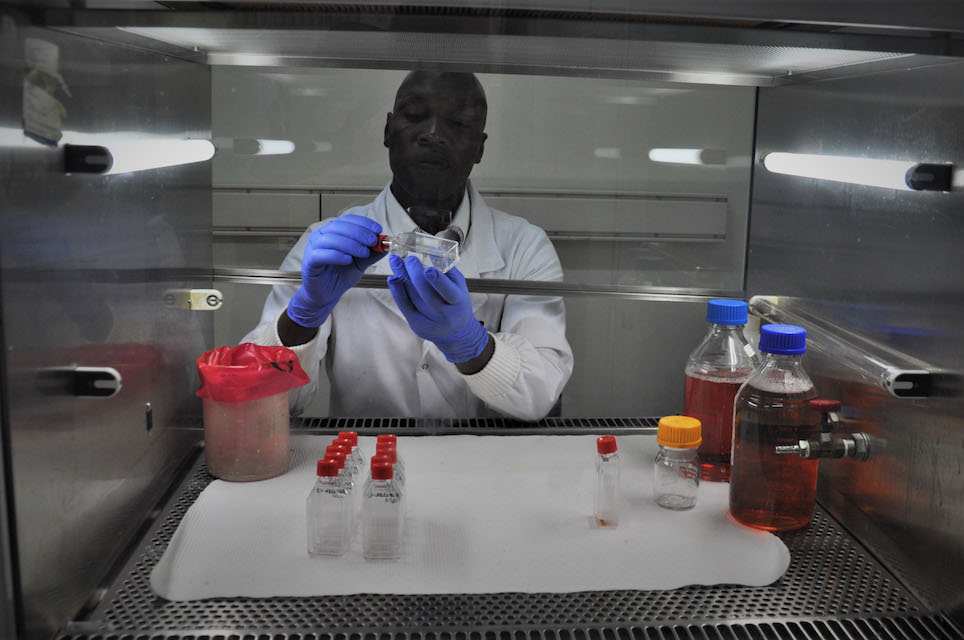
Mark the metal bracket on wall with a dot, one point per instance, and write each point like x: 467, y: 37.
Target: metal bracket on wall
x: 194, y: 299
x: 900, y: 374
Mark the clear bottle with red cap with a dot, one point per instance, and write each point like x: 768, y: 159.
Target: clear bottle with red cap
x: 389, y: 450
x: 368, y: 478
x: 392, y: 440
x: 607, y: 496
x: 350, y: 438
x: 382, y: 514
x: 338, y: 453
x: 329, y: 512
x: 433, y: 251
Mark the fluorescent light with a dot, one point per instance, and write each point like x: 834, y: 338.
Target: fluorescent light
x: 688, y: 156
x: 140, y: 155
x: 890, y: 174
x: 130, y: 150
x: 274, y: 147
x: 15, y: 138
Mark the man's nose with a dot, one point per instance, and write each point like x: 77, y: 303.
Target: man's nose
x: 431, y: 134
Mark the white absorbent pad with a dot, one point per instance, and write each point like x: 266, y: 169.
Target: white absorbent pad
x: 484, y: 514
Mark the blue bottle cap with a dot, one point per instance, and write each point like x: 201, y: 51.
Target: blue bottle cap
x: 723, y: 311
x: 783, y: 339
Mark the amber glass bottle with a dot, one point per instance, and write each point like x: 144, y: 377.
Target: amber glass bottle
x: 769, y: 491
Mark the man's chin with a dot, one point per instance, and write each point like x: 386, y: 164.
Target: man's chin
x: 426, y: 190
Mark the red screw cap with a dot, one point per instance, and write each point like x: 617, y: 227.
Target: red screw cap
x: 387, y: 450
x: 606, y: 444
x: 382, y: 244
x: 387, y: 437
x: 382, y: 471
x: 349, y: 436
x: 327, y: 468
x: 336, y: 456
x: 340, y: 442
x: 823, y: 406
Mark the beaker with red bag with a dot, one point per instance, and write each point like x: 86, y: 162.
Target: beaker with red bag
x: 245, y: 391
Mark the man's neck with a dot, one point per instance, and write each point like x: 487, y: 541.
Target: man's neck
x: 431, y: 216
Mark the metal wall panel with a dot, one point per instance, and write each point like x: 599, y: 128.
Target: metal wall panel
x: 76, y: 250
x: 887, y: 265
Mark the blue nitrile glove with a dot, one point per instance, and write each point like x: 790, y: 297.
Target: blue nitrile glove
x: 438, y: 308
x: 335, y: 259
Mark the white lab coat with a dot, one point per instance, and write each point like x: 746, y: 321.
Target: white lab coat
x: 378, y: 367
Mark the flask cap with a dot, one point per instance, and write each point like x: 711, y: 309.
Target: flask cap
x: 723, y: 311
x: 380, y: 457
x: 384, y: 449
x: 783, y: 339
x: 606, y: 444
x: 341, y: 442
x: 679, y: 432
x: 338, y: 457
x: 387, y: 437
x: 349, y: 436
x: 381, y: 471
x: 337, y: 447
x: 327, y: 468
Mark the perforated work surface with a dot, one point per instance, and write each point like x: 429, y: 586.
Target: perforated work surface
x: 829, y: 575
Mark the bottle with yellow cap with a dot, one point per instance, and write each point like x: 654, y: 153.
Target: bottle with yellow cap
x: 677, y: 471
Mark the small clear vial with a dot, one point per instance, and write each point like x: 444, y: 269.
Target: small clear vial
x: 677, y: 469
x: 382, y: 515
x: 329, y: 509
x: 607, y: 496
x: 432, y: 251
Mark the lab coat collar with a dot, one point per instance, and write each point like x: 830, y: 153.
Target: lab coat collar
x: 481, y: 251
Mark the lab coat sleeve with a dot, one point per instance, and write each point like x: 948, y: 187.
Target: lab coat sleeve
x: 532, y: 361
x: 309, y: 354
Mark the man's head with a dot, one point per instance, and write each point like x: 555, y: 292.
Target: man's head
x: 435, y: 135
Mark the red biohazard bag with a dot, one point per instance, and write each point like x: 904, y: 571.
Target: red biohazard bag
x: 248, y: 372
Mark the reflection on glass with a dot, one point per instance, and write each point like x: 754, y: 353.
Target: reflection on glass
x: 688, y: 156
x: 427, y: 346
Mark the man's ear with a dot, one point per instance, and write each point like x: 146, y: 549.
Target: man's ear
x: 388, y: 121
x: 478, y: 155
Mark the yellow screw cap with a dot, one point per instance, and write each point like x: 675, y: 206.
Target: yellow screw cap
x: 679, y: 432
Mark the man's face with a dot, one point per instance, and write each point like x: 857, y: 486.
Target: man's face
x: 434, y: 135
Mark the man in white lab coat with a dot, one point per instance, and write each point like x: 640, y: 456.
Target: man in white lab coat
x: 427, y: 347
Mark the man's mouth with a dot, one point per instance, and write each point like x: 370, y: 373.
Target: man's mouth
x: 432, y: 162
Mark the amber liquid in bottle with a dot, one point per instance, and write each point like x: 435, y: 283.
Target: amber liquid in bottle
x: 770, y: 491
x: 710, y: 400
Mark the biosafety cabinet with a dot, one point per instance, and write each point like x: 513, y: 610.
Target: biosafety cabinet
x: 159, y: 160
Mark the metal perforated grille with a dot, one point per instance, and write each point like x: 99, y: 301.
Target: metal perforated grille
x: 890, y: 628
x: 488, y: 425
x: 829, y: 575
